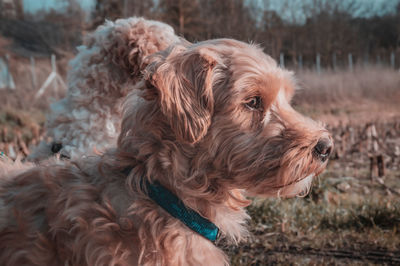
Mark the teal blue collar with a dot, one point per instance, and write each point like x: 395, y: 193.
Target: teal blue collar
x: 175, y: 207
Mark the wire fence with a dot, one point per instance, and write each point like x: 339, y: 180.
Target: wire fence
x: 339, y: 61
x: 319, y: 63
x: 18, y: 75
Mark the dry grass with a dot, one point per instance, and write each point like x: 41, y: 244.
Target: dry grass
x: 29, y: 123
x: 371, y: 83
x: 350, y: 97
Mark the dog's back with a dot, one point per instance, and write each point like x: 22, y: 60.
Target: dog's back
x: 24, y: 198
x: 54, y: 213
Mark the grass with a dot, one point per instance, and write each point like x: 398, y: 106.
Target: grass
x: 30, y: 124
x: 335, y: 224
x: 302, y: 215
x: 319, y: 211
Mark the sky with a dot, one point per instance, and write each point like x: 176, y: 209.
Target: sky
x: 377, y: 7
x: 33, y: 6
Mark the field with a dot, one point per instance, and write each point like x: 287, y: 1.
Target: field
x: 352, y: 215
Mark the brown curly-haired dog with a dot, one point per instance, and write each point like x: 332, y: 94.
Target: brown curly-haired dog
x: 211, y: 123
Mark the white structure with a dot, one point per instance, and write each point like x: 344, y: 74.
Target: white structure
x: 6, y: 79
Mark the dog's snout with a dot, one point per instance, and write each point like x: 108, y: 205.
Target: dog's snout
x: 323, y: 148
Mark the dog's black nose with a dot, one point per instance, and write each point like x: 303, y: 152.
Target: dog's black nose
x: 323, y: 148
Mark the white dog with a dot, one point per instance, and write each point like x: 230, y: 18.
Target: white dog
x: 106, y: 68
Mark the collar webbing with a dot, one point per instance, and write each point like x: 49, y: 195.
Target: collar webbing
x: 175, y: 207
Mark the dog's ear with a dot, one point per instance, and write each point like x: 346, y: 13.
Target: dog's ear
x: 182, y: 81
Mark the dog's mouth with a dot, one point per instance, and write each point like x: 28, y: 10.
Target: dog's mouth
x: 297, y: 188
x: 300, y: 187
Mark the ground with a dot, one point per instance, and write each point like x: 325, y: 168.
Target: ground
x: 351, y: 216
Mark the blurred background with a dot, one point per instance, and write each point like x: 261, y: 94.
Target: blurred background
x: 346, y: 56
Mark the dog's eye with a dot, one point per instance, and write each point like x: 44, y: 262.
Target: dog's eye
x: 254, y: 103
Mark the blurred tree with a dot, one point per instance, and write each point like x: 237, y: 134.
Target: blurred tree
x: 12, y: 9
x: 138, y: 8
x: 183, y: 15
x: 232, y: 19
x: 398, y: 27
x: 273, y: 33
x: 114, y: 9
x: 46, y: 32
x: 294, y: 27
x: 106, y: 9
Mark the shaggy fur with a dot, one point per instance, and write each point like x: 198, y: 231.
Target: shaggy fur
x: 103, y: 72
x: 212, y: 123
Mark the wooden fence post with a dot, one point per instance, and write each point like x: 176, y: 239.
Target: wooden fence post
x: 7, y: 71
x: 54, y: 70
x: 300, y: 62
x: 9, y: 80
x: 318, y: 63
x: 378, y: 60
x: 334, y: 61
x: 282, y: 60
x: 366, y: 59
x: 53, y: 77
x: 381, y: 165
x: 377, y: 164
x: 392, y: 60
x: 33, y: 73
x: 350, y: 57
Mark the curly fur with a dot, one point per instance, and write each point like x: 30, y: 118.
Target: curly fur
x: 106, y: 68
x: 188, y: 126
